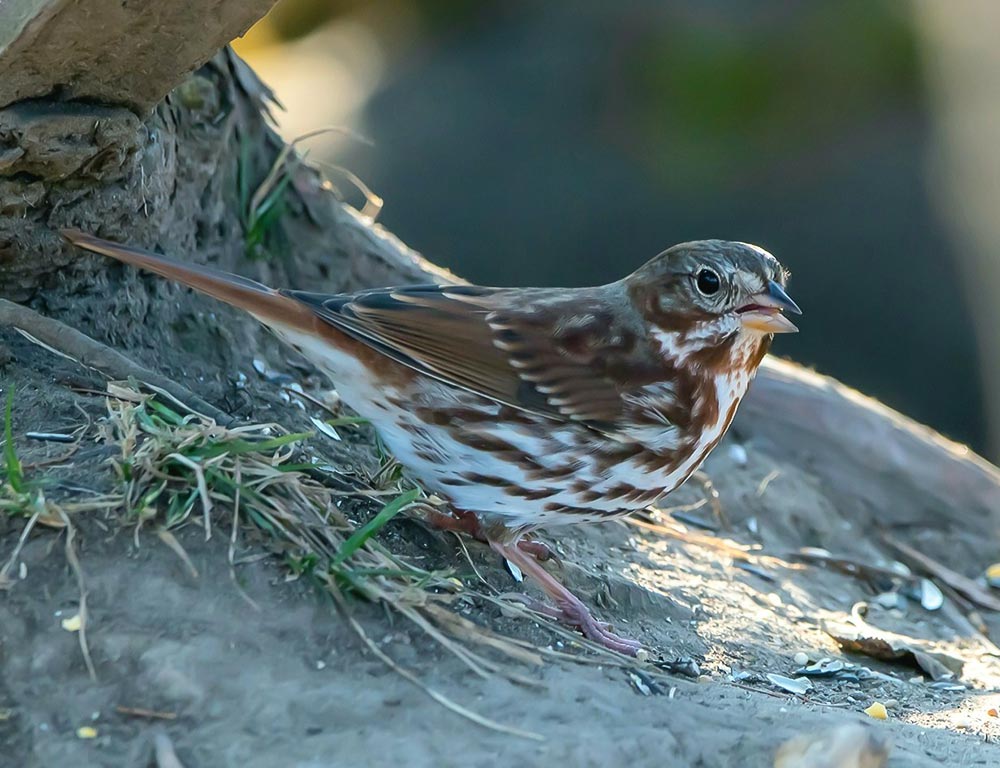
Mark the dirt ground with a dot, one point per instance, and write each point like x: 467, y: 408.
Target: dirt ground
x: 189, y: 664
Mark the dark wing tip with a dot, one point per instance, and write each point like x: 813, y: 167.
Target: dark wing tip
x: 90, y: 242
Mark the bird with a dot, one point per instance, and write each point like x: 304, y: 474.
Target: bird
x: 528, y: 408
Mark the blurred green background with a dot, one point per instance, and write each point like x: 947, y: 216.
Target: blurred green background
x: 564, y: 143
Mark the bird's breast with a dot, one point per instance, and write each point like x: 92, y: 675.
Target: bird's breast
x: 517, y: 468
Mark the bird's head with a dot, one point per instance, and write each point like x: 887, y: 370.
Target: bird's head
x: 713, y: 296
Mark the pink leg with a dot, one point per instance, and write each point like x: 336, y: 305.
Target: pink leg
x: 467, y: 523
x: 538, y: 550
x: 460, y: 522
x: 571, y: 610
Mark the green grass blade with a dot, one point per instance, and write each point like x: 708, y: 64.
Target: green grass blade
x: 243, y: 177
x: 168, y: 414
x: 373, y: 526
x: 237, y: 447
x: 15, y: 473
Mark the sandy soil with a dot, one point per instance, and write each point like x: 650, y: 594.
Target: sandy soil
x: 288, y: 683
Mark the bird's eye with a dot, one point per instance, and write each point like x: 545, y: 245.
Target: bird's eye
x: 708, y: 282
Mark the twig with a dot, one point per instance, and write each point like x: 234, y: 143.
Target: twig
x: 950, y: 610
x: 90, y: 353
x: 55, y: 460
x: 768, y: 479
x: 175, y: 546
x: 238, y: 476
x: 441, y: 699
x: 206, y: 502
x: 29, y: 526
x: 468, y: 557
x: 150, y: 714
x: 713, y: 498
x: 74, y: 563
x: 735, y: 551
x: 960, y: 583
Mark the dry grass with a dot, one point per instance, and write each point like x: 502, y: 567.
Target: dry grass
x: 176, y: 470
x: 264, y: 485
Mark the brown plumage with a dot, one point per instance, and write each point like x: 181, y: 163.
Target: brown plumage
x: 535, y: 406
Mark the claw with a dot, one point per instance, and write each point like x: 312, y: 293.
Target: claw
x: 568, y: 608
x: 541, y: 551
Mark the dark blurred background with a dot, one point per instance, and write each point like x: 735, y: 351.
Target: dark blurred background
x: 564, y: 143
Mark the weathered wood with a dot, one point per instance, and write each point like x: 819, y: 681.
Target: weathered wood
x: 873, y: 457
x: 109, y: 51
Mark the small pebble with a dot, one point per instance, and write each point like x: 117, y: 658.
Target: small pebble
x: 801, y: 659
x: 797, y: 685
x: 890, y: 600
x: 877, y: 711
x: 704, y: 679
x: 993, y: 575
x: 86, y: 732
x: 891, y: 703
x: 738, y: 455
x: 900, y: 568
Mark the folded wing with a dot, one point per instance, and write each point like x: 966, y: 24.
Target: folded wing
x: 562, y: 355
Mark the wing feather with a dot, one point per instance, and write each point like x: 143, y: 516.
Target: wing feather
x: 564, y: 356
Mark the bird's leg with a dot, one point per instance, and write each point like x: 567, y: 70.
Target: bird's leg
x: 460, y: 522
x: 468, y: 523
x: 538, y: 550
x: 572, y: 611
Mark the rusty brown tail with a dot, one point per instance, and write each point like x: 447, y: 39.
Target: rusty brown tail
x: 266, y: 304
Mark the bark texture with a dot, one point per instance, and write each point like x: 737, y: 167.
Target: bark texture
x: 109, y: 51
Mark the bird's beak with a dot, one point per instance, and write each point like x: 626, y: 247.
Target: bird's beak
x: 764, y: 312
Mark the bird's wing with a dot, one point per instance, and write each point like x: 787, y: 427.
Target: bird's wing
x: 573, y: 355
x: 565, y: 356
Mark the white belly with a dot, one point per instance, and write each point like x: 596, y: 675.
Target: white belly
x: 562, y: 464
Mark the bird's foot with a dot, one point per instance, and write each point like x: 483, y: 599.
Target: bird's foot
x: 598, y: 631
x: 539, y: 550
x: 579, y: 616
x: 569, y: 609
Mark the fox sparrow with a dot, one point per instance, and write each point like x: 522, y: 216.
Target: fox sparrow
x: 528, y: 407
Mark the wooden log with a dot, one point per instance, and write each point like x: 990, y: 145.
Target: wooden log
x: 875, y: 459
x: 112, y: 52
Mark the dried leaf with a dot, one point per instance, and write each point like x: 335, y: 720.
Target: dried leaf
x: 860, y: 637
